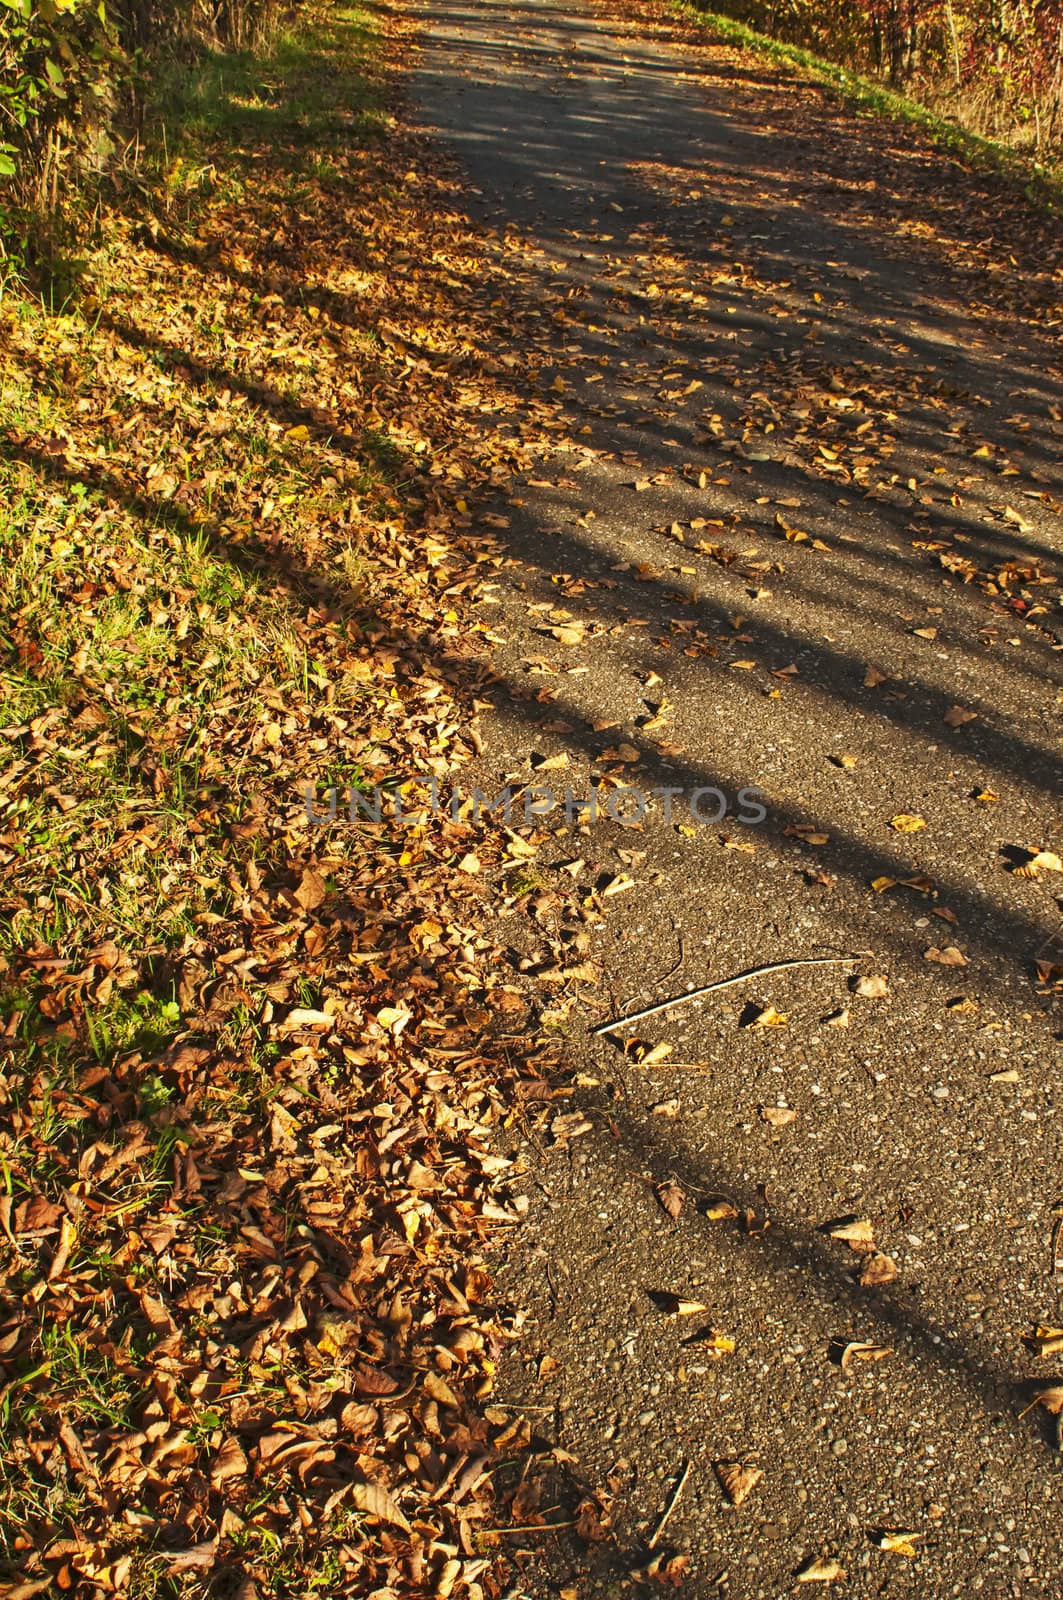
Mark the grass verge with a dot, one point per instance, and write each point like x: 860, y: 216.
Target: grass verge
x: 247, y: 1108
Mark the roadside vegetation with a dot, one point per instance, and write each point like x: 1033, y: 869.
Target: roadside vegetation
x: 981, y: 76
x: 245, y: 1322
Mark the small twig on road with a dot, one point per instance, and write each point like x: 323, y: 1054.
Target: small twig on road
x: 673, y: 970
x: 673, y: 1502
x: 729, y: 983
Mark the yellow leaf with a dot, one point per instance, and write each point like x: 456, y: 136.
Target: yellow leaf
x: 901, y: 1544
x: 905, y: 822
x: 823, y: 1570
x: 768, y: 1018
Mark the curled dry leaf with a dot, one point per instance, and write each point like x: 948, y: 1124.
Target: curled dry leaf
x: 957, y: 716
x: 720, y: 1209
x: 647, y: 1055
x: 907, y: 822
x: 768, y: 1017
x: 569, y: 1125
x: 872, y: 988
x: 877, y: 1270
x: 674, y: 1306
x: 666, y: 1108
x: 712, y: 1343
x: 837, y: 1019
x: 1051, y: 1398
x: 900, y: 1542
x: 856, y: 1232
x: 1037, y: 862
x: 230, y: 1462
x: 778, y: 1116
x: 948, y: 956
x: 823, y: 1570
x: 807, y: 833
x: 1046, y: 1341
x: 375, y: 1501
x: 737, y: 1479
x: 861, y: 1350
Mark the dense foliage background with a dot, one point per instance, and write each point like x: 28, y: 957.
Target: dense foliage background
x: 74, y: 75
x: 995, y: 65
x: 77, y: 75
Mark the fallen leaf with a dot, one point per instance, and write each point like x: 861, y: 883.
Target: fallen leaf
x: 711, y: 1342
x: 375, y: 1501
x: 877, y: 1270
x: 957, y: 716
x: 950, y: 956
x: 737, y: 1479
x: 823, y: 1570
x: 768, y: 1017
x: 671, y: 1197
x: 311, y: 890
x: 900, y: 1543
x: 1046, y: 1341
x: 807, y: 833
x: 1039, y: 861
x: 871, y: 988
x: 1051, y: 1398
x: 778, y: 1116
x: 230, y: 1462
x: 907, y: 822
x: 674, y: 1306
x: 856, y: 1232
x: 861, y: 1350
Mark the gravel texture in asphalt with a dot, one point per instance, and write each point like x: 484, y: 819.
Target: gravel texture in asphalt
x: 801, y: 536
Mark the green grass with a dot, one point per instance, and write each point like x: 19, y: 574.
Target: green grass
x: 1040, y: 183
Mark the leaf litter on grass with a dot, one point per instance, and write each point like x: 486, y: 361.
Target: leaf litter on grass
x: 249, y: 1085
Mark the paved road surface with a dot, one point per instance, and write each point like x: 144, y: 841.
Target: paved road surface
x: 805, y: 382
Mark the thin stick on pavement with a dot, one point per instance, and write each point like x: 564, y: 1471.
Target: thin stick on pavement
x: 729, y: 983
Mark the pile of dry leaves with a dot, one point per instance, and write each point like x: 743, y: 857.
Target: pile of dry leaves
x: 254, y: 1067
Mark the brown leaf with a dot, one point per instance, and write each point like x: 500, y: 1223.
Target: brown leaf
x: 311, y: 890
x: 767, y: 1017
x: 375, y: 1501
x: 878, y: 1269
x: 778, y: 1116
x: 737, y: 1479
x: 860, y: 1350
x: 230, y: 1462
x: 949, y: 956
x: 899, y: 1542
x: 823, y: 1570
x: 1039, y: 861
x: 671, y: 1197
x: 874, y: 988
x: 856, y: 1232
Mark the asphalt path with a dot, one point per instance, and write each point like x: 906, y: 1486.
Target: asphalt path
x: 800, y: 535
